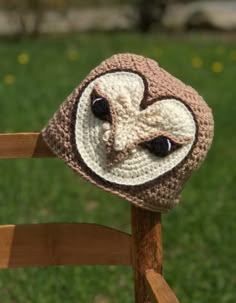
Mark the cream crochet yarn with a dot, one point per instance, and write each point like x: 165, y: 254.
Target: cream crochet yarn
x: 134, y: 130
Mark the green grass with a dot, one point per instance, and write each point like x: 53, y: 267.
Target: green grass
x: 198, y: 236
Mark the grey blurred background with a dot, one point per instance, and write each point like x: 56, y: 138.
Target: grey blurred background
x: 32, y: 17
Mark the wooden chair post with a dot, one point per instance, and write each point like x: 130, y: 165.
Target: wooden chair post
x: 147, y: 249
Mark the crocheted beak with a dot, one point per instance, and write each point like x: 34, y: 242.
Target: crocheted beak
x: 118, y: 151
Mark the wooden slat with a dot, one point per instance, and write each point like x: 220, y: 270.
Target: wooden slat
x: 158, y: 289
x: 23, y: 145
x: 62, y: 244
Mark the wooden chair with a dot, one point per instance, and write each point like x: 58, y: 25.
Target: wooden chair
x: 56, y: 244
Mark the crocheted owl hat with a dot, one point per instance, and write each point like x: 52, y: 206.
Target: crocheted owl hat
x: 134, y: 130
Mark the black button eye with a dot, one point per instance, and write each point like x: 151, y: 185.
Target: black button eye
x: 161, y: 146
x: 100, y: 107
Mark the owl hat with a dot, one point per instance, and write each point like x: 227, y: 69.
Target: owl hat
x: 134, y: 130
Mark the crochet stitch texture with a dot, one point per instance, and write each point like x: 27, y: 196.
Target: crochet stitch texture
x: 138, y: 102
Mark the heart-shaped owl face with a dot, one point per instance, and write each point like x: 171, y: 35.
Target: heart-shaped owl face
x: 134, y: 130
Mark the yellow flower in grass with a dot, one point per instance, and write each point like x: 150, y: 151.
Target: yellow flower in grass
x: 72, y: 54
x: 23, y: 58
x: 196, y: 62
x: 217, y: 67
x: 232, y: 55
x: 9, y: 79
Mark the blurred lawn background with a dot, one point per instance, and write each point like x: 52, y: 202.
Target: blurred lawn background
x: 198, y: 236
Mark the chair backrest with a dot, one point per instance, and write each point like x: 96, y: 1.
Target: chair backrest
x: 27, y: 245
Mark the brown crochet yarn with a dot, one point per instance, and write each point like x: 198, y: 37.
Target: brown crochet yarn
x: 134, y: 130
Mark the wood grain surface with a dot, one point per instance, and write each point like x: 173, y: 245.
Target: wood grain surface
x: 62, y: 244
x: 158, y: 289
x: 146, y: 249
x: 23, y: 145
